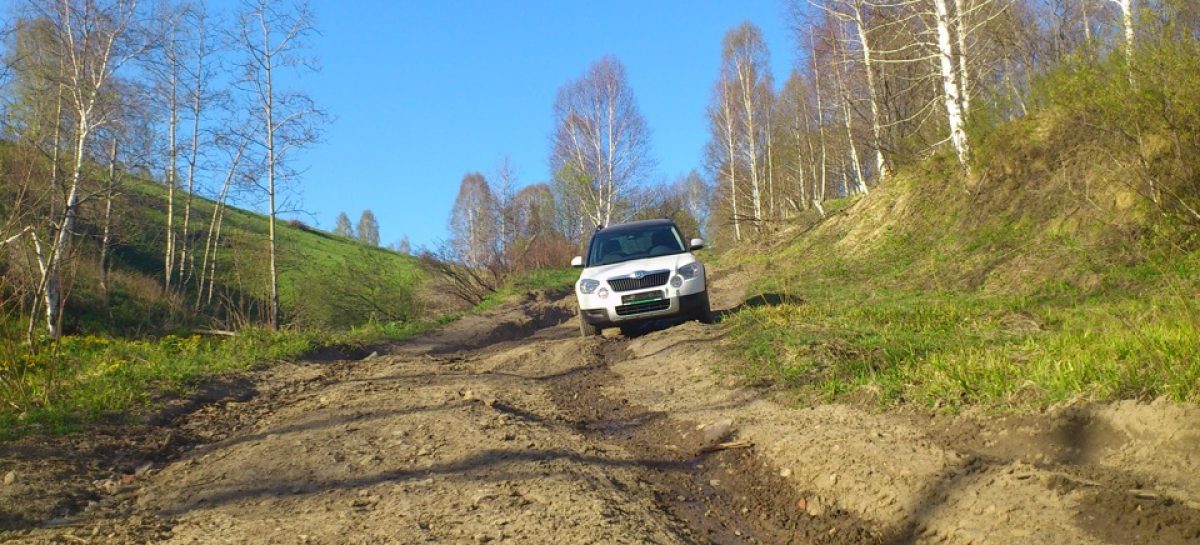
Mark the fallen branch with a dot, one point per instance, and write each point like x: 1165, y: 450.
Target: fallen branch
x: 727, y: 446
x: 219, y: 332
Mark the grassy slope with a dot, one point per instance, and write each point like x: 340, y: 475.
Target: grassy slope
x: 1031, y: 288
x: 307, y: 259
x: 125, y: 354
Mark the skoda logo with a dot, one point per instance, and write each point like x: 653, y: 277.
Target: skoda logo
x: 637, y: 275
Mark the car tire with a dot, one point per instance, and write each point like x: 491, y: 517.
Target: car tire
x: 586, y: 329
x: 705, y: 314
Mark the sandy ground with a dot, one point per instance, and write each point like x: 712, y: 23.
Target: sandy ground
x: 509, y: 428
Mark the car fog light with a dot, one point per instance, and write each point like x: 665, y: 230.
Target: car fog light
x: 676, y: 281
x: 603, y: 293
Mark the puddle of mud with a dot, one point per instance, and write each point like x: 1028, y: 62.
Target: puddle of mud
x: 723, y: 497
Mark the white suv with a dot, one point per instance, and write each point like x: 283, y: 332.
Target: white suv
x: 639, y: 271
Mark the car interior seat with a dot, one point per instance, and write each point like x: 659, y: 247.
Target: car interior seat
x: 662, y: 243
x: 610, y: 250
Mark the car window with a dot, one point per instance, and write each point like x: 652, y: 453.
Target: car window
x: 625, y: 245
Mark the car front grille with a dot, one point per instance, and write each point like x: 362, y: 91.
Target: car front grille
x: 652, y: 280
x: 639, y: 308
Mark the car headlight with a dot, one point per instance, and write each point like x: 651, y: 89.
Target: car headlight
x: 690, y: 270
x: 587, y: 286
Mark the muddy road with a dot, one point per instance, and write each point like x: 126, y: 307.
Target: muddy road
x: 509, y: 428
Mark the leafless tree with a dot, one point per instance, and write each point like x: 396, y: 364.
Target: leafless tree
x: 601, y: 142
x: 474, y: 223
x: 745, y: 63
x: 94, y: 40
x: 165, y: 67
x: 855, y: 13
x: 368, y: 228
x: 198, y: 71
x: 722, y: 149
x: 342, y: 226
x: 212, y: 241
x: 272, y: 37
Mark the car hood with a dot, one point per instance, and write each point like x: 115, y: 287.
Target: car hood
x: 625, y: 268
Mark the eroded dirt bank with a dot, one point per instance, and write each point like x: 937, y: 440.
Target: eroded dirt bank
x: 508, y: 428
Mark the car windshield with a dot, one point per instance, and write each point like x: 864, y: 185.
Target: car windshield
x: 624, y: 245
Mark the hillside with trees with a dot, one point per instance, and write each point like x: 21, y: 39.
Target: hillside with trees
x: 134, y: 139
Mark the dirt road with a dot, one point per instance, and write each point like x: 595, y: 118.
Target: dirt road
x: 508, y: 428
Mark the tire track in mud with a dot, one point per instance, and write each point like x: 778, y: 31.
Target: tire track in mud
x: 722, y: 497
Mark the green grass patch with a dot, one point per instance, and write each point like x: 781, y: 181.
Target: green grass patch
x: 89, y: 378
x: 844, y: 333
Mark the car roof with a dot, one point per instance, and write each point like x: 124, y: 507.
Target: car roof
x: 634, y: 226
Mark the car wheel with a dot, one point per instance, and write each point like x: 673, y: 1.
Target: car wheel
x: 586, y: 329
x: 705, y: 314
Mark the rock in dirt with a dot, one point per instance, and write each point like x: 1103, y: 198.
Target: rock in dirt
x: 10, y: 477
x: 715, y: 432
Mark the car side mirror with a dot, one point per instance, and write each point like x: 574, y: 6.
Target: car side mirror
x: 697, y: 243
x: 577, y: 262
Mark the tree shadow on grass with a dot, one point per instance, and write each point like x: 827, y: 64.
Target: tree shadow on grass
x: 757, y: 301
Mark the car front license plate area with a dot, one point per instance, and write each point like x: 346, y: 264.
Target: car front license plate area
x: 643, y: 297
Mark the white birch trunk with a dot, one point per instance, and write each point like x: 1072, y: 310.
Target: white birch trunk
x: 747, y: 90
x: 860, y: 183
x: 106, y: 236
x: 819, y: 192
x: 951, y: 92
x: 214, y: 230
x: 872, y: 95
x: 58, y: 251
x: 193, y: 158
x: 172, y: 157
x: 731, y: 147
x: 964, y: 82
x: 269, y: 116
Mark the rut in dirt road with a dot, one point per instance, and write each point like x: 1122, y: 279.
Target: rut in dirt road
x: 720, y: 496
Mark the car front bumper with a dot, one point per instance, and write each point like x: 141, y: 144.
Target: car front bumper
x: 680, y: 305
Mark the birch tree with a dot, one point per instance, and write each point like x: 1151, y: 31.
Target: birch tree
x: 853, y: 12
x: 368, y: 228
x: 505, y: 191
x: 722, y: 149
x: 198, y: 69
x: 343, y: 227
x: 272, y: 38
x: 94, y: 40
x: 212, y: 241
x: 601, y: 143
x: 951, y: 84
x: 746, y: 62
x: 473, y: 223
x: 1126, y: 23
x: 166, y: 68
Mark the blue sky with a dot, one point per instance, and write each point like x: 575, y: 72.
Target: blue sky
x: 424, y: 92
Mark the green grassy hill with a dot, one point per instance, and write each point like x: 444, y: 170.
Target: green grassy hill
x: 125, y: 351
x: 325, y: 280
x: 1045, y: 278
